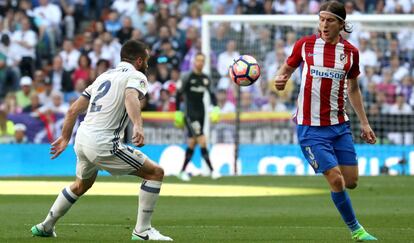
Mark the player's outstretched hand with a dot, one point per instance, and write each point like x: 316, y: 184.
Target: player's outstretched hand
x: 138, y: 136
x: 367, y: 134
x: 58, y: 146
x: 280, y: 81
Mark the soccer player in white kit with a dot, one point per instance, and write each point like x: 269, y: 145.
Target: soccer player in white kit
x: 110, y: 102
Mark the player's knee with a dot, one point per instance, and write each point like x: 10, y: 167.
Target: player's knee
x: 201, y: 140
x: 337, y: 181
x: 191, y: 145
x: 158, y: 173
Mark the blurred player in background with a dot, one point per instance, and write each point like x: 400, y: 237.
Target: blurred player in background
x: 330, y: 69
x: 192, y: 88
x: 110, y: 101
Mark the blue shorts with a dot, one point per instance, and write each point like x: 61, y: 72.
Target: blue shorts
x: 325, y: 147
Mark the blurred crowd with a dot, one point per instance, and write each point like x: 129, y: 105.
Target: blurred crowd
x: 50, y: 50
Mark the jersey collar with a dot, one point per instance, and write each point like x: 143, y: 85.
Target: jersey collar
x: 126, y: 64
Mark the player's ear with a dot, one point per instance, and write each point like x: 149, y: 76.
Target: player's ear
x: 139, y: 61
x: 342, y: 25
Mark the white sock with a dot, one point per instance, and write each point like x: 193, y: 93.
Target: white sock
x: 148, y: 196
x: 62, y: 204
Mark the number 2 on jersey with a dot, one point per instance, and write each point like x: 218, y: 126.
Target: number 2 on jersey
x: 102, y: 90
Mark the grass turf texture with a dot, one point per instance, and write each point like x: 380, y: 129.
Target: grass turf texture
x: 384, y: 205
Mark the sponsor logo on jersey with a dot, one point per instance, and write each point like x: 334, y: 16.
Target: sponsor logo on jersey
x: 325, y: 72
x: 343, y: 58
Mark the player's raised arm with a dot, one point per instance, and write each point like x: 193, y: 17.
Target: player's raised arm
x: 59, y: 145
x: 132, y: 105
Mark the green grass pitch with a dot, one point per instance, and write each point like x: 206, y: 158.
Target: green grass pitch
x: 384, y: 205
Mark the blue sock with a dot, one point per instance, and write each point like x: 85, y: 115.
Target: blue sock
x: 344, y: 206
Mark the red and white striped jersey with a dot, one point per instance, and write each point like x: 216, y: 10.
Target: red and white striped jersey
x: 323, y: 90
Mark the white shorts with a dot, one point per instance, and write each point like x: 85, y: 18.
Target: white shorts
x: 124, y: 160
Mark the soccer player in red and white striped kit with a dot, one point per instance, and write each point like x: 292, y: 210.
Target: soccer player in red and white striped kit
x: 330, y: 70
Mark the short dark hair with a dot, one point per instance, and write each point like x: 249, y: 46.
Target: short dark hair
x: 132, y: 49
x: 337, y: 8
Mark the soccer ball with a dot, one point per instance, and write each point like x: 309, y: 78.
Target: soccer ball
x: 245, y: 70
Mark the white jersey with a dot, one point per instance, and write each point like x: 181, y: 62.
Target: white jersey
x: 106, y: 117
